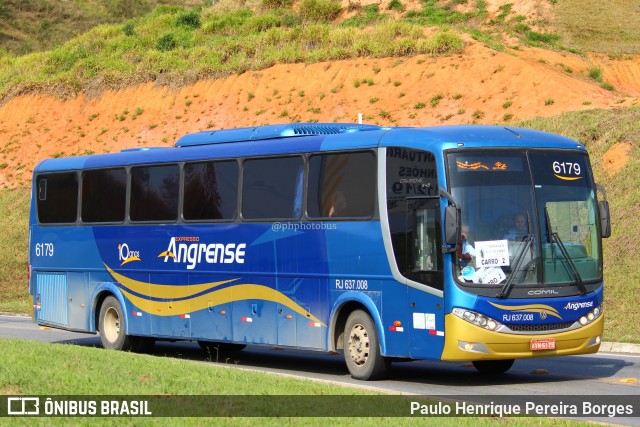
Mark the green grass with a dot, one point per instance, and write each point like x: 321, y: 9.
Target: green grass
x: 14, y: 223
x: 58, y: 369
x: 37, y: 25
x: 212, y: 39
x: 161, y: 46
x: 594, y: 25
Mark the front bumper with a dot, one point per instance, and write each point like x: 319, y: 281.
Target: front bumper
x: 464, y: 341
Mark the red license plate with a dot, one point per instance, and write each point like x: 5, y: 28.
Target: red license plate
x: 545, y: 344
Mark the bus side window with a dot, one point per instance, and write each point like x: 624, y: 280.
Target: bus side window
x: 104, y: 195
x: 210, y: 191
x: 57, y: 198
x: 269, y: 188
x: 154, y: 193
x: 342, y: 185
x: 424, y: 250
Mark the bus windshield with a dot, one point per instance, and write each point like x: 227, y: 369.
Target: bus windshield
x: 529, y: 224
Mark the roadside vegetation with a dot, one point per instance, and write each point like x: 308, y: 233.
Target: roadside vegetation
x: 593, y: 25
x: 40, y: 369
x: 14, y: 244
x: 175, y: 46
x: 109, y: 44
x: 36, y: 25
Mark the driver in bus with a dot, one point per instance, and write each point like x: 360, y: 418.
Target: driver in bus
x: 520, y: 228
x: 466, y: 251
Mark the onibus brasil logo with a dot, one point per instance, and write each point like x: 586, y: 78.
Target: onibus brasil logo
x: 189, y: 250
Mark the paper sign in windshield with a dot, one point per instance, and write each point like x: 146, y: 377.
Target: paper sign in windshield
x: 490, y: 275
x: 492, y: 253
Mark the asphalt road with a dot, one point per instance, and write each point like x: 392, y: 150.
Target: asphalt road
x: 605, y: 373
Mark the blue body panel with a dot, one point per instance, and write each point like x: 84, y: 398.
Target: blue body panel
x: 255, y: 282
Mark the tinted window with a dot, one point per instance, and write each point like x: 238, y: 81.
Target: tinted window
x: 342, y: 185
x: 272, y: 188
x: 104, y: 194
x: 154, y: 193
x: 210, y: 190
x: 412, y: 210
x: 57, y: 197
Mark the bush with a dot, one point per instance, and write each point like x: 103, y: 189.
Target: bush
x: 319, y: 10
x: 542, y: 37
x: 189, y: 19
x: 127, y: 29
x: 396, y: 5
x: 276, y: 4
x: 166, y: 43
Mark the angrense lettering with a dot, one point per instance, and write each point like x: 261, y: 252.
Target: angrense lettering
x: 578, y: 305
x: 212, y: 253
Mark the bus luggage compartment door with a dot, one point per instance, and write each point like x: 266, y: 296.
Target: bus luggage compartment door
x: 60, y: 300
x: 51, y: 299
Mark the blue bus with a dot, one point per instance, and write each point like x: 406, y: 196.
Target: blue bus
x: 460, y: 243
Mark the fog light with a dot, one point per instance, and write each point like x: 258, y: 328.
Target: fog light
x: 473, y: 347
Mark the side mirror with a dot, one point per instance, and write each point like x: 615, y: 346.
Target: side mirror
x: 605, y: 219
x: 451, y: 225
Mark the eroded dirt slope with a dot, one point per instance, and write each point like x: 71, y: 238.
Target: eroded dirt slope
x: 480, y: 85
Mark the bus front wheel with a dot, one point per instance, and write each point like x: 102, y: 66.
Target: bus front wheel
x: 362, y: 348
x: 493, y: 366
x: 112, y: 327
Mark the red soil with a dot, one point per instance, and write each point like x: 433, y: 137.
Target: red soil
x: 480, y: 85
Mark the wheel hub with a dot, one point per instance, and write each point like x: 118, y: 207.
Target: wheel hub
x: 111, y: 325
x: 359, y: 344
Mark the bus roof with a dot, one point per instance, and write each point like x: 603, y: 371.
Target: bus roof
x: 313, y: 137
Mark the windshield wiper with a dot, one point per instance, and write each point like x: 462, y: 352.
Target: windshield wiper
x: 528, y: 240
x: 566, y: 258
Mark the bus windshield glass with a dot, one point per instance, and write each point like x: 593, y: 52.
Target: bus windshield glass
x: 529, y: 223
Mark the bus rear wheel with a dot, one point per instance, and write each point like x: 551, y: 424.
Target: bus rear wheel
x: 112, y: 326
x: 362, y: 348
x: 493, y: 366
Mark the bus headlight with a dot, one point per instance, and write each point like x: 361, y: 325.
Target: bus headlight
x: 590, y: 316
x: 477, y: 319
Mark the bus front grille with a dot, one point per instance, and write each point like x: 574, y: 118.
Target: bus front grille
x: 555, y: 327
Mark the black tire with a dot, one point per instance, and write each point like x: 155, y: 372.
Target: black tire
x: 112, y: 326
x: 362, y: 348
x: 213, y: 348
x: 493, y: 366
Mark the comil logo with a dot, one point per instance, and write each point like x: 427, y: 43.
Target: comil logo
x: 126, y: 255
x: 194, y: 252
x: 578, y: 305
